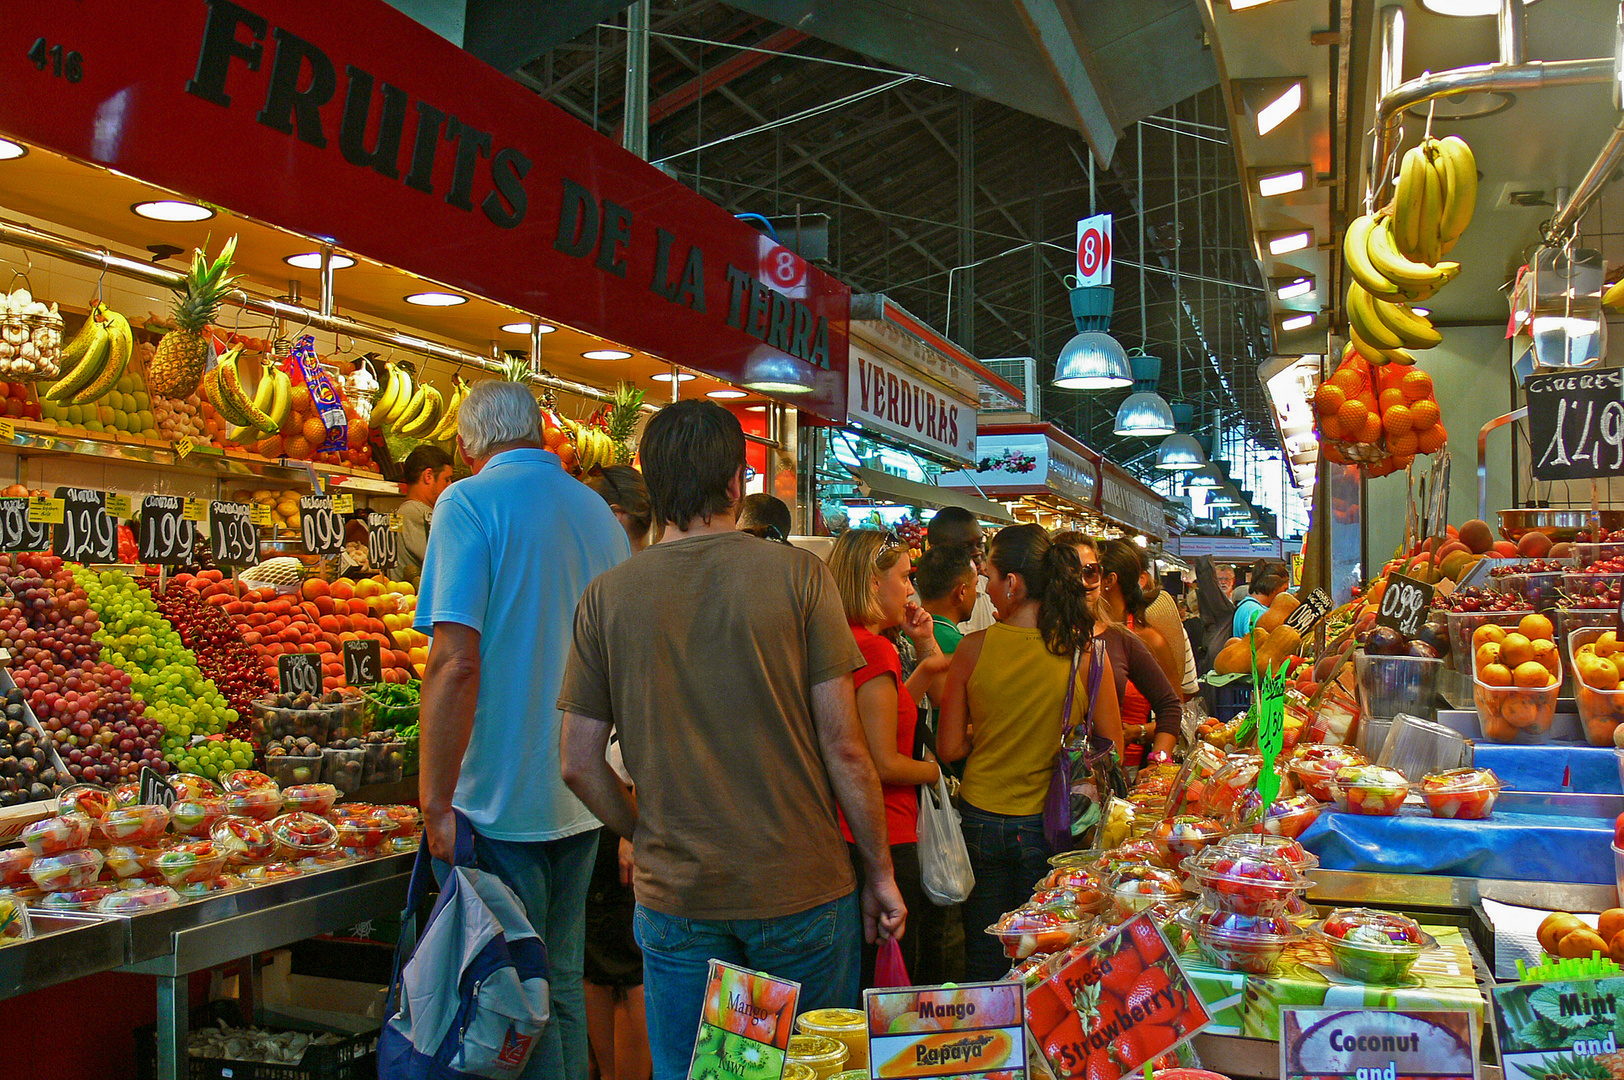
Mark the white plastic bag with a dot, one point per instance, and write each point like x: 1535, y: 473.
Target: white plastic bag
x: 944, y: 861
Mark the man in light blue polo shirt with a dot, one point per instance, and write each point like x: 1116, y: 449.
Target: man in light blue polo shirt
x: 513, y: 548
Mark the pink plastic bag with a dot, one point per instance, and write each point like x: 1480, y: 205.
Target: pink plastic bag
x: 888, y: 967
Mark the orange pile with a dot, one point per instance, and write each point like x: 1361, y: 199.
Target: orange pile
x: 1380, y: 417
x: 1525, y: 657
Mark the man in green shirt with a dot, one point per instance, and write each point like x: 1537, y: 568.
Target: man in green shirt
x: 945, y: 580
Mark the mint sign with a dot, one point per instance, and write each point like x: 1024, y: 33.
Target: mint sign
x: 1559, y: 1028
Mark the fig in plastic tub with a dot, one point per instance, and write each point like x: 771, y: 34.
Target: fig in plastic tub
x: 244, y: 840
x: 1370, y: 789
x: 14, y: 864
x: 196, y: 861
x: 262, y: 804
x: 1460, y: 793
x: 136, y: 824
x: 291, y: 769
x: 301, y: 833
x: 136, y: 901
x: 1026, y: 932
x: 1376, y: 947
x: 309, y: 798
x: 342, y: 768
x: 54, y: 835
x: 196, y: 816
x: 69, y: 870
x: 86, y: 799
x: 1515, y: 713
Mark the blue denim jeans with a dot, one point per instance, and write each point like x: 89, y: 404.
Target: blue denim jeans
x: 550, y: 878
x: 1009, y: 856
x: 818, y: 948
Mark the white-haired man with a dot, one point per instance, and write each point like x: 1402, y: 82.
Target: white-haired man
x: 513, y: 548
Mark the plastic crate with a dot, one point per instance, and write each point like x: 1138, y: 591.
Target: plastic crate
x: 1232, y: 700
x: 353, y: 1057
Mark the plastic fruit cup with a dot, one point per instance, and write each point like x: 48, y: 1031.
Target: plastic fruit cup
x: 1026, y: 932
x: 191, y: 863
x: 794, y: 1070
x: 134, y: 824
x: 260, y: 803
x: 1289, y: 817
x: 824, y: 1055
x: 192, y: 786
x: 1131, y: 896
x: 1460, y: 793
x: 124, y: 861
x: 69, y: 870
x: 846, y: 1026
x: 1180, y: 837
x: 1235, y: 942
x: 303, y: 833
x: 1370, y: 790
x: 82, y: 898
x: 14, y: 912
x: 1301, y: 859
x: 1515, y: 713
x: 14, y: 864
x: 1200, y: 765
x: 408, y: 819
x: 87, y: 799
x: 364, y: 832
x: 135, y: 901
x: 196, y: 816
x: 245, y: 780
x: 1375, y: 947
x: 244, y: 840
x: 265, y: 873
x: 1316, y: 774
x: 313, y: 798
x: 1247, y: 882
x: 222, y: 883
x: 129, y: 792
x: 54, y: 835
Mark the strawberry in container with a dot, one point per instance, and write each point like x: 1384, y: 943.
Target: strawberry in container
x: 196, y: 815
x: 86, y: 799
x: 54, y: 835
x: 191, y: 863
x: 1026, y: 932
x: 302, y: 833
x: 14, y: 864
x: 309, y: 798
x: 1177, y: 838
x: 1460, y: 793
x: 69, y: 870
x: 1251, y: 881
x: 243, y: 840
x: 1289, y: 817
x: 1370, y: 789
x: 136, y: 824
x: 262, y: 803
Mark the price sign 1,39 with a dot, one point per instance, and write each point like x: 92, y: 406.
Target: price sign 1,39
x: 166, y: 537
x: 234, y: 539
x: 320, y: 526
x: 299, y: 673
x: 1404, y: 606
x: 363, y: 662
x: 383, y: 548
x: 87, y: 534
x: 17, y: 533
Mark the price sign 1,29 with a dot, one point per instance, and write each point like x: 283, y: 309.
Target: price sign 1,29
x: 382, y: 544
x: 363, y: 662
x: 87, y: 534
x: 17, y: 533
x: 166, y: 537
x: 320, y: 526
x: 234, y: 538
x: 1404, y: 605
x: 299, y: 673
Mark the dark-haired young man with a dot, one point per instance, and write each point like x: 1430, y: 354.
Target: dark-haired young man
x: 427, y: 473
x: 762, y: 512
x: 957, y: 527
x: 726, y: 666
x: 945, y: 580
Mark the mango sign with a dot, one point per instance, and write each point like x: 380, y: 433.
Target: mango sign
x: 972, y: 1030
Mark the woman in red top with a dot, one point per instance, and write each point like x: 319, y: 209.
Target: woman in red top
x: 871, y: 569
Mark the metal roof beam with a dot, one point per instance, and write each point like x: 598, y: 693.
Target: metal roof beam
x: 1061, y: 43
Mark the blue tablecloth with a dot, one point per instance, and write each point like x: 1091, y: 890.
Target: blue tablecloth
x: 1507, y: 846
x: 1584, y: 768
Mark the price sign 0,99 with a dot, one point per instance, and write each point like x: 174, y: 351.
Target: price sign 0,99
x: 363, y: 662
x: 87, y: 534
x: 382, y: 544
x: 234, y: 539
x: 17, y: 533
x: 166, y: 537
x: 298, y: 673
x: 320, y: 526
x: 1405, y: 603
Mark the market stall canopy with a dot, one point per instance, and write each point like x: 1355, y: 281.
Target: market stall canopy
x: 883, y: 485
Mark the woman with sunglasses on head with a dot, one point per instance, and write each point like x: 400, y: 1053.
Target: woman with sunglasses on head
x: 1148, y: 696
x: 871, y: 569
x: 1003, y: 704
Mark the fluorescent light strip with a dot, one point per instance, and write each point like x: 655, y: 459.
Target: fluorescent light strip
x: 1282, y: 183
x: 1275, y: 112
x: 1301, y: 287
x: 1297, y: 322
x: 1286, y: 243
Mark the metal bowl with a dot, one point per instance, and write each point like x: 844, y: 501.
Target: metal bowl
x: 1559, y: 523
x: 1416, y: 747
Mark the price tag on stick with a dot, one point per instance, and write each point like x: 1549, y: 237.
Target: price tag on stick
x: 166, y: 537
x: 1314, y: 607
x: 382, y: 544
x: 233, y: 536
x: 17, y: 532
x: 1405, y: 604
x: 299, y: 673
x: 320, y: 526
x: 363, y: 662
x: 155, y: 790
x: 86, y: 534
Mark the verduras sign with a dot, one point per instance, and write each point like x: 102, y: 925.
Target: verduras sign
x: 890, y: 399
x: 1124, y: 500
x: 372, y: 132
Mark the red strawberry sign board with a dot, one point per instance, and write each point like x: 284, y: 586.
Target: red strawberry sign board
x: 1103, y: 1013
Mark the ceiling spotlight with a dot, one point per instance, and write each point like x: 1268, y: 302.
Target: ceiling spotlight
x: 311, y: 260
x: 436, y: 299
x: 1297, y: 322
x: 1295, y: 287
x: 666, y: 376
x: 10, y: 151
x: 1283, y: 243
x: 1092, y: 361
x: 524, y: 328
x: 615, y: 354
x: 1271, y: 182
x: 1277, y: 111
x: 728, y: 394
x: 172, y: 210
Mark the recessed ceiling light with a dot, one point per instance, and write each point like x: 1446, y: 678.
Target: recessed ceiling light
x: 727, y: 394
x: 1275, y: 112
x: 524, y: 328
x: 172, y: 210
x: 1297, y: 322
x: 10, y: 151
x: 1292, y: 289
x: 609, y: 354
x: 1283, y: 243
x: 1279, y: 183
x: 311, y: 260
x: 1465, y: 8
x: 436, y: 299
x: 666, y: 376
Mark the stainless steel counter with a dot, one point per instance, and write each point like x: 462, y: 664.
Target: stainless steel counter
x: 64, y: 947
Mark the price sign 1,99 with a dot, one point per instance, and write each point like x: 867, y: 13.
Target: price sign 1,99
x: 87, y: 534
x: 383, y: 547
x: 166, y: 537
x: 17, y: 533
x: 299, y: 673
x: 1404, y: 606
x: 363, y: 662
x: 234, y: 539
x: 320, y: 526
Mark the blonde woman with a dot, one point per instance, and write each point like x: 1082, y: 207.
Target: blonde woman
x: 871, y: 570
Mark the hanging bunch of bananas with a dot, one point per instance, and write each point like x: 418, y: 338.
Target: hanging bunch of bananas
x: 446, y: 430
x: 593, y: 446
x: 254, y: 411
x: 1395, y: 256
x: 94, y: 361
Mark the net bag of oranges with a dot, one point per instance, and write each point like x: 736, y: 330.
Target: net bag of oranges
x: 1379, y: 417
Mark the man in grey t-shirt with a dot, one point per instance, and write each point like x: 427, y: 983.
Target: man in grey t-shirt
x: 427, y: 473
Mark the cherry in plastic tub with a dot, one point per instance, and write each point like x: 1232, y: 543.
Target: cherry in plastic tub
x: 69, y: 870
x: 54, y: 835
x: 1376, y: 947
x: 244, y: 840
x: 1460, y: 793
x: 195, y: 816
x: 136, y: 824
x: 1370, y: 790
x: 1026, y: 932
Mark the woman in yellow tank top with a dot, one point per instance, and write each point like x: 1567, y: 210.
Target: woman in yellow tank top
x: 1005, y: 692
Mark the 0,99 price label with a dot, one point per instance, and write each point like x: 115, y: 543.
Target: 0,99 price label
x: 86, y: 534
x: 1405, y: 603
x: 363, y: 662
x: 383, y: 547
x: 320, y: 527
x: 298, y: 673
x: 166, y: 536
x: 17, y: 532
x: 234, y: 538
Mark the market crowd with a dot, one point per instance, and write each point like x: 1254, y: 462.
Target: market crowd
x: 714, y: 747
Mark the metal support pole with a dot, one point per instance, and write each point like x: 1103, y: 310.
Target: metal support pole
x: 1573, y: 207
x: 967, y: 211
x: 326, y: 301
x: 1391, y: 72
x: 173, y: 1021
x: 1510, y: 33
x: 634, y: 127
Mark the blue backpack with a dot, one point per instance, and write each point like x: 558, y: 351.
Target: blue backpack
x: 469, y: 996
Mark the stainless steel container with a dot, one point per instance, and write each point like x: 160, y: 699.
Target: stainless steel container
x: 1389, y: 685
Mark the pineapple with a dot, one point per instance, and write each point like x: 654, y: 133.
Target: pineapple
x: 624, y: 413
x: 178, y: 365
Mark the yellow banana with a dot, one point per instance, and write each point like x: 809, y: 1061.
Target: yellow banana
x: 265, y: 401
x: 1363, y: 318
x: 1375, y: 355
x: 90, y: 365
x: 1407, y: 202
x: 1432, y: 213
x: 428, y: 418
x: 1355, y: 250
x: 1614, y: 296
x: 386, y: 394
x: 1460, y: 167
x: 407, y: 401
x: 1404, y: 273
x: 1413, y: 331
x: 120, y: 344
x: 281, y: 397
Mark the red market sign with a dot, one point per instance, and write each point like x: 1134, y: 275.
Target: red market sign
x: 352, y: 123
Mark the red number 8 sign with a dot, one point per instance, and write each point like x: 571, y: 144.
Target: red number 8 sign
x: 1094, y: 251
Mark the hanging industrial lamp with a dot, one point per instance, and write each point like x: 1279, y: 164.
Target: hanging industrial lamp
x: 1144, y: 413
x: 1092, y: 360
x: 1180, y: 453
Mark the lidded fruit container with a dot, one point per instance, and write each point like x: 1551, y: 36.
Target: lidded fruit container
x: 138, y: 824
x: 312, y: 798
x: 825, y: 1056
x: 849, y: 1027
x: 1289, y: 817
x: 136, y: 901
x: 196, y: 815
x: 1026, y: 932
x: 1236, y: 942
x: 14, y: 864
x: 1372, y: 946
x: 244, y: 840
x: 81, y: 898
x: 1138, y: 886
x: 87, y: 799
x: 302, y: 833
x: 54, y: 835
x: 1461, y: 793
x: 245, y: 780
x: 68, y: 870
x: 261, y: 803
x: 1177, y: 838
x: 192, y: 863
x: 1247, y: 880
x: 1370, y: 790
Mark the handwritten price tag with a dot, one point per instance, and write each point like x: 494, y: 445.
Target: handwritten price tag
x: 183, y: 448
x: 8, y: 431
x: 1404, y: 605
x: 260, y: 514
x: 195, y: 510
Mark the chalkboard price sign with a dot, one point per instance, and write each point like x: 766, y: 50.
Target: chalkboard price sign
x: 320, y: 526
x: 382, y: 545
x: 1576, y: 424
x: 299, y: 673
x: 1313, y: 608
x: 166, y: 537
x: 231, y: 530
x: 86, y: 534
x: 363, y: 662
x: 17, y: 532
x: 1405, y: 603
